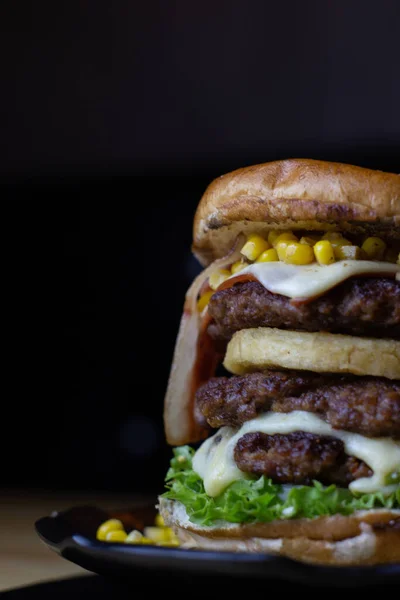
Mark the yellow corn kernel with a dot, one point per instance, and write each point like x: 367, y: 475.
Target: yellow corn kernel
x: 270, y: 255
x: 146, y: 540
x: 204, y: 300
x: 272, y: 235
x: 158, y: 534
x: 323, y: 251
x: 348, y: 253
x: 299, y: 254
x: 239, y: 265
x: 339, y: 243
x: 107, y: 526
x: 170, y: 544
x: 159, y: 521
x: 374, y: 247
x: 116, y: 536
x: 254, y: 246
x: 218, y: 277
x: 336, y: 239
x: 134, y: 537
x: 286, y: 236
x: 281, y: 250
x: 309, y: 240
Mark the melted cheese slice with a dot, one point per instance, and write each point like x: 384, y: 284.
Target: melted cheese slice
x: 215, y: 464
x: 307, y: 281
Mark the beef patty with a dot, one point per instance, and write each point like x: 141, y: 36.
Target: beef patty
x: 298, y: 458
x: 363, y: 306
x: 366, y: 405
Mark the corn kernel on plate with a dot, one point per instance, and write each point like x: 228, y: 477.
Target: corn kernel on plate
x: 122, y: 542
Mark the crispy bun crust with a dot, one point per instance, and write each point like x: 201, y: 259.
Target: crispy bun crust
x: 297, y: 194
x: 263, y: 348
x: 363, y: 538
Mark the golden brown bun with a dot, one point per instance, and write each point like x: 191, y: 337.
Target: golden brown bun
x: 363, y: 538
x: 264, y: 348
x: 297, y: 194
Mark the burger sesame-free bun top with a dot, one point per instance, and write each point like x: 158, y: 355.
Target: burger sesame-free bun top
x: 301, y: 194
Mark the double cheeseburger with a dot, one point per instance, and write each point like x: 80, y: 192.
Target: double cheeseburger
x: 283, y: 402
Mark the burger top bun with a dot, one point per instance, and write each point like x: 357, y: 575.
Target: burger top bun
x: 295, y: 194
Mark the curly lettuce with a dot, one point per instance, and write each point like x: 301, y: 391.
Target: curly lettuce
x: 260, y: 500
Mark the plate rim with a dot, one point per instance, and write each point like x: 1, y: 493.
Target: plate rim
x: 74, y: 545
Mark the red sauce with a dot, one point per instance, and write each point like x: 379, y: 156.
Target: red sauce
x: 207, y: 360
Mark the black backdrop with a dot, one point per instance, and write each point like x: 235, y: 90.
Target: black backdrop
x: 114, y: 118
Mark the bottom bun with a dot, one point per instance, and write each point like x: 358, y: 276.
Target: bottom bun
x: 366, y: 537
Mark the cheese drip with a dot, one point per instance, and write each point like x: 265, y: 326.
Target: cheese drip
x: 308, y: 281
x: 214, y: 460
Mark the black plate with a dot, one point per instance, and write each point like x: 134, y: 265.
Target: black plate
x: 72, y: 534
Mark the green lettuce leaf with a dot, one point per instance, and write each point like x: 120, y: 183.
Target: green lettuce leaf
x: 251, y: 500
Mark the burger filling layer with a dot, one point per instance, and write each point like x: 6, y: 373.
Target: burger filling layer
x: 298, y: 458
x: 296, y: 444
x: 366, y: 405
x: 250, y: 498
x: 358, y: 306
x: 291, y: 444
x: 215, y: 459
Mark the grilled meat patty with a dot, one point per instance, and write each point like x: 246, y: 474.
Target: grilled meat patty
x: 366, y: 405
x: 360, y: 306
x: 298, y: 458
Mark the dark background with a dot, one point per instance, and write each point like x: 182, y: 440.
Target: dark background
x: 115, y: 116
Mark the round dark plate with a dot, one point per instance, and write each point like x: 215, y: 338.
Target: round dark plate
x: 72, y: 534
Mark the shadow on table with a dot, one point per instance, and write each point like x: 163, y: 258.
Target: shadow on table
x: 97, y: 587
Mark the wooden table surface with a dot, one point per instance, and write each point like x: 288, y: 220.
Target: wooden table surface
x: 24, y: 558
